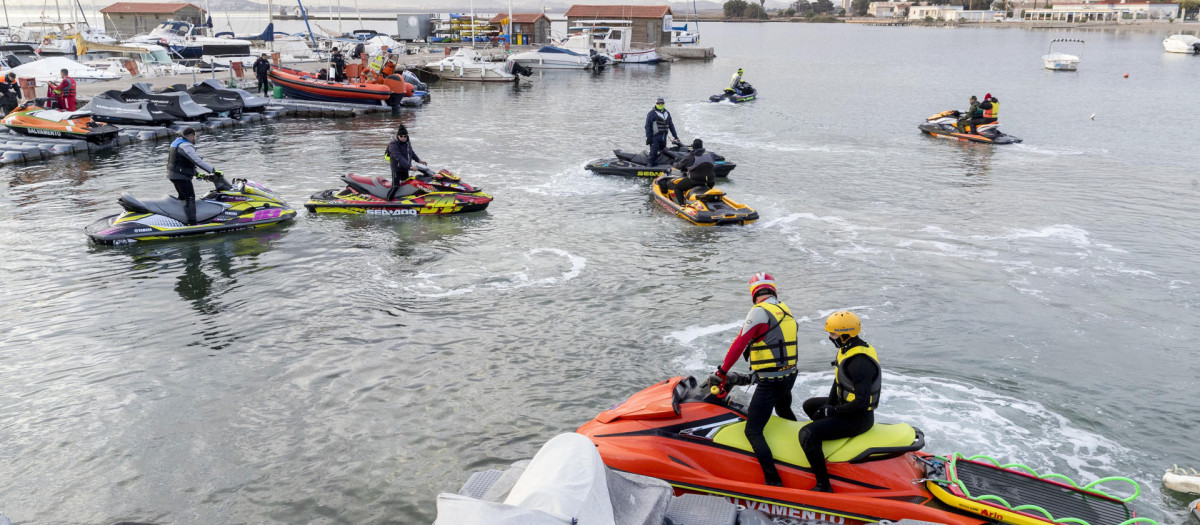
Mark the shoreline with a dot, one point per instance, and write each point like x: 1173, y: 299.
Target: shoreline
x: 1141, y: 26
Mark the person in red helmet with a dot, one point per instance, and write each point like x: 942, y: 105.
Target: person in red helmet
x: 768, y: 341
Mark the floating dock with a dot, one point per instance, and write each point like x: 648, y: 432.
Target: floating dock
x: 687, y: 52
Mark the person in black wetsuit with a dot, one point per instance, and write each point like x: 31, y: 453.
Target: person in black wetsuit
x: 850, y: 408
x: 698, y: 171
x: 658, y: 123
x: 182, y: 162
x: 403, y: 161
x: 10, y: 93
x: 338, y: 63
x: 262, y: 66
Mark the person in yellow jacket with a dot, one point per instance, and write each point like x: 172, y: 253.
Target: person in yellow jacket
x: 768, y: 341
x: 849, y: 410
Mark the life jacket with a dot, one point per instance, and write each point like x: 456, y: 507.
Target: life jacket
x: 67, y: 86
x: 992, y: 111
x: 703, y: 169
x: 774, y: 356
x: 660, y: 122
x: 179, y: 167
x: 844, y: 388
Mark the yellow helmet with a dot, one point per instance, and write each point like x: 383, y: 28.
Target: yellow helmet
x: 843, y: 323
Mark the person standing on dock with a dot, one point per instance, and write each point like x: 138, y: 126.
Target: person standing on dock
x: 182, y: 162
x: 338, y: 63
x: 10, y: 93
x: 658, y: 123
x: 262, y: 66
x: 64, y: 92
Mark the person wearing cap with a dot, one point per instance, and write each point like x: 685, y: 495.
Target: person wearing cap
x: 10, y: 93
x: 849, y: 410
x: 972, y: 117
x: 768, y: 341
x: 698, y: 169
x: 735, y: 83
x: 403, y: 161
x: 991, y: 109
x: 658, y: 123
x: 337, y: 64
x: 182, y: 162
x: 262, y: 66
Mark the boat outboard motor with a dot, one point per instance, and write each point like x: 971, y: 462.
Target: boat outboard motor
x: 598, y: 60
x: 411, y: 78
x: 518, y: 69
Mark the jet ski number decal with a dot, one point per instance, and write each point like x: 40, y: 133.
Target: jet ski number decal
x: 271, y: 213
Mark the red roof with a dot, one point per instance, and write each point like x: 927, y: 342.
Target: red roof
x: 618, y: 11
x: 148, y: 7
x: 519, y: 18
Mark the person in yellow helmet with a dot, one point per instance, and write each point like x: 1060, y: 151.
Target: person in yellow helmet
x: 768, y: 341
x: 849, y: 410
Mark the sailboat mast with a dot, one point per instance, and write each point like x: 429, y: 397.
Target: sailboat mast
x: 270, y: 20
x: 510, y: 22
x: 340, y: 17
x: 6, y: 22
x: 359, y: 11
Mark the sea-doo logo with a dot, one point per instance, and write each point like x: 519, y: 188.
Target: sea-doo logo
x: 649, y: 173
x: 391, y: 212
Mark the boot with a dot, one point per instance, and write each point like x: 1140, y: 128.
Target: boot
x: 823, y: 486
x: 189, y: 209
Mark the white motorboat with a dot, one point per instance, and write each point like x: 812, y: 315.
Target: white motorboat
x: 48, y: 70
x: 1182, y: 44
x: 468, y: 65
x: 184, y: 41
x: 1062, y: 61
x: 550, y: 57
x: 610, y: 38
x: 149, y: 60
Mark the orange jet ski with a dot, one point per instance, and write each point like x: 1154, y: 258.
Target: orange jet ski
x: 694, y: 439
x: 36, y: 121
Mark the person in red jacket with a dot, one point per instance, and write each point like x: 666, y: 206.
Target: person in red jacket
x: 64, y: 92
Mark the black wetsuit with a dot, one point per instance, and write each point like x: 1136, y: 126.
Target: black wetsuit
x: 261, y: 67
x: 10, y: 96
x: 698, y: 169
x: 182, y: 162
x: 848, y: 419
x: 401, y: 157
x: 339, y: 67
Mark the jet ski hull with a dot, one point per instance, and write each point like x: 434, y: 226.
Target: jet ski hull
x: 244, y: 206
x: 349, y: 201
x: 112, y: 108
x: 78, y: 126
x: 633, y: 164
x: 735, y: 97
x: 716, y: 212
x: 941, y: 131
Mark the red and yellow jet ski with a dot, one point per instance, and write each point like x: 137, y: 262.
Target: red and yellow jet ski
x: 37, y: 121
x: 443, y: 193
x: 683, y: 433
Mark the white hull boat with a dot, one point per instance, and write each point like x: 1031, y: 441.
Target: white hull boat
x: 1058, y: 61
x: 1182, y: 44
x: 468, y: 65
x: 550, y: 57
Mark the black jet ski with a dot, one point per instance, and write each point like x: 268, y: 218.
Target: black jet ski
x: 704, y: 206
x: 945, y: 125
x: 636, y: 165
x: 112, y: 107
x: 442, y: 193
x: 743, y: 93
x: 238, y: 206
x: 212, y: 95
x: 178, y: 105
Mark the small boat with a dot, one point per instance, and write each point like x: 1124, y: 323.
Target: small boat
x: 1062, y: 61
x: 305, y: 86
x: 469, y: 66
x: 611, y: 38
x: 36, y: 121
x: 1182, y: 44
x: 704, y: 206
x: 186, y: 43
x: 49, y: 69
x: 550, y: 57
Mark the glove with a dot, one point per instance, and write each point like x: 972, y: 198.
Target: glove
x: 647, y: 141
x: 717, y: 378
x: 823, y: 412
x: 217, y: 173
x: 737, y: 379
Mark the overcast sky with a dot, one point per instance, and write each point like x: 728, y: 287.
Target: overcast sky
x: 423, y: 5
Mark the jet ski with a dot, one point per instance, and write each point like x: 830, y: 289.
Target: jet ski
x: 705, y: 207
x: 212, y: 95
x: 442, y: 194
x: 112, y: 107
x: 692, y: 436
x: 743, y: 93
x: 178, y: 105
x: 945, y: 125
x: 238, y: 206
x: 636, y: 165
x: 33, y: 120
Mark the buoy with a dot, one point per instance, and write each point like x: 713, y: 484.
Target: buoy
x: 1181, y: 480
x: 1093, y: 117
x: 1195, y: 505
x: 1126, y: 75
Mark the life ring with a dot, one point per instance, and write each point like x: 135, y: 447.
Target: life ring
x: 46, y: 41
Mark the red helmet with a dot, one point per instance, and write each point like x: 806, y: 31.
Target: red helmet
x: 762, y: 281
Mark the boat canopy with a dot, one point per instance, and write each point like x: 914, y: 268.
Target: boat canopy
x: 552, y: 49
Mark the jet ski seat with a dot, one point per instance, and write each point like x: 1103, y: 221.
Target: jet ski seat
x: 881, y: 442
x: 172, y: 207
x: 376, y: 185
x: 705, y: 195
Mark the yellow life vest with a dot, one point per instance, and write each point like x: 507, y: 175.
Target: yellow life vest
x: 774, y: 355
x: 991, y: 113
x: 845, y: 388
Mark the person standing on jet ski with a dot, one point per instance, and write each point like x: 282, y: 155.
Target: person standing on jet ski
x: 658, y: 123
x: 403, y: 160
x: 697, y: 168
x: 973, y: 117
x: 849, y: 410
x: 181, y: 169
x: 768, y: 341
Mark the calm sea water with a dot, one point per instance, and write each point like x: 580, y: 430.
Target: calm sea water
x: 1035, y: 302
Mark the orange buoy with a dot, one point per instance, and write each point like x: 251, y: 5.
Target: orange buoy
x: 1126, y: 75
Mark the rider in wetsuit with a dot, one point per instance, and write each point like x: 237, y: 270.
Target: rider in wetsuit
x: 403, y: 160
x: 698, y: 170
x: 182, y: 162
